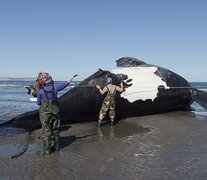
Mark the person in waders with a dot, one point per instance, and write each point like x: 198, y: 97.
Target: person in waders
x: 49, y: 111
x: 109, y: 100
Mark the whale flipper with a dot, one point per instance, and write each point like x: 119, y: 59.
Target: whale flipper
x: 200, y: 97
x: 129, y: 62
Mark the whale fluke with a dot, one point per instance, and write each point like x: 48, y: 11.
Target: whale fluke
x: 200, y: 97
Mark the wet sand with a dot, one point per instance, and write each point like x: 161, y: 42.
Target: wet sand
x: 165, y: 146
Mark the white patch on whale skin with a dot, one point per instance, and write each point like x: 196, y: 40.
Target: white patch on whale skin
x: 144, y: 83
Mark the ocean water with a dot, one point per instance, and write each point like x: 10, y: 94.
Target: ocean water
x: 14, y: 99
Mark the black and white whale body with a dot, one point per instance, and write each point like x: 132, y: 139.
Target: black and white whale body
x: 149, y: 89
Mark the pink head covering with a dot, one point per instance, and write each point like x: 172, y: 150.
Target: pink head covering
x: 44, y: 78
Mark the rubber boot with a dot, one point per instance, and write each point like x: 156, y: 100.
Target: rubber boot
x: 57, y: 143
x: 99, y: 124
x: 52, y: 140
x: 46, y: 147
x: 112, y: 122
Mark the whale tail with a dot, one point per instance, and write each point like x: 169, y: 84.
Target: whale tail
x: 200, y: 97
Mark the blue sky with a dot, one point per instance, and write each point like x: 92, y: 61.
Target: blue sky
x: 64, y: 37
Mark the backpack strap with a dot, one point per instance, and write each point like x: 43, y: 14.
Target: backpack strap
x: 109, y: 91
x: 53, y: 91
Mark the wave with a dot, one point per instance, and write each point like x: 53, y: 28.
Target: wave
x: 31, y: 82
x: 13, y: 92
x: 10, y: 86
x: 202, y: 89
x: 199, y: 85
x: 15, y: 100
x: 72, y: 85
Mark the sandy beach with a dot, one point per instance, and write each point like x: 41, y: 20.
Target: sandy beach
x: 164, y: 146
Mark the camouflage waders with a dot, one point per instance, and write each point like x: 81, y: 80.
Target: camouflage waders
x: 50, y: 121
x: 108, y: 104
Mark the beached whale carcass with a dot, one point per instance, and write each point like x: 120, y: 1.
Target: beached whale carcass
x: 149, y: 89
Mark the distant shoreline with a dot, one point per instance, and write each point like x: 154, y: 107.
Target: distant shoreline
x: 17, y: 79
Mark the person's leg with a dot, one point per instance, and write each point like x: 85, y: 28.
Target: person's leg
x: 46, y: 134
x: 112, y: 111
x: 103, y: 111
x: 46, y: 147
x: 56, y: 133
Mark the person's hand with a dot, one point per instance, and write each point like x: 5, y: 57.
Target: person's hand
x: 98, y: 87
x: 121, y: 84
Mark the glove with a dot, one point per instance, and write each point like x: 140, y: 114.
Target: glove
x: 97, y: 86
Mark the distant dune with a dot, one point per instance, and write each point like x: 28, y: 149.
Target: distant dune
x: 17, y: 78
